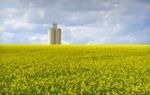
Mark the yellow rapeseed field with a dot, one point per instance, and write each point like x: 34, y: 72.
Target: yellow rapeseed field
x: 74, y: 70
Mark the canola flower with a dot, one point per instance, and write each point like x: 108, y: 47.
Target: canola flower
x: 74, y: 70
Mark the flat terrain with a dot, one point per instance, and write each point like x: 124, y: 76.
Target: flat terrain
x: 75, y: 70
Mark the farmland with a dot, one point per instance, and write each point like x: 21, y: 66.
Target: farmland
x: 75, y: 70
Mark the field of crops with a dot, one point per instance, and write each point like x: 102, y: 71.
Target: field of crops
x: 74, y: 70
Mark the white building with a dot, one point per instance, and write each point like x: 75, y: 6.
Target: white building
x: 54, y: 35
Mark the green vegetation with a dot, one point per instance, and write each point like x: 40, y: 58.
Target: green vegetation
x: 74, y: 70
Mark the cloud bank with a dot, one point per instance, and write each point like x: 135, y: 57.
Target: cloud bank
x: 81, y: 21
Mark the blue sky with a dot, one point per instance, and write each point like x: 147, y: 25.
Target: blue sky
x: 81, y: 21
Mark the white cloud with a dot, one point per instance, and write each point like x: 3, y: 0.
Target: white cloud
x: 38, y: 38
x: 10, y: 12
x: 2, y: 29
x: 18, y: 24
x: 33, y: 15
x: 41, y: 13
x: 5, y: 36
x: 65, y: 42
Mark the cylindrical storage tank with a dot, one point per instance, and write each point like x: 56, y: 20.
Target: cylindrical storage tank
x: 52, y: 36
x: 58, y: 36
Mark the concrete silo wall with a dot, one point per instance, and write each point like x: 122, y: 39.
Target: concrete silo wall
x: 58, y: 36
x: 52, y: 36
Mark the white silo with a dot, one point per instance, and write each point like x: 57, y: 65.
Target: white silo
x: 54, y: 35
